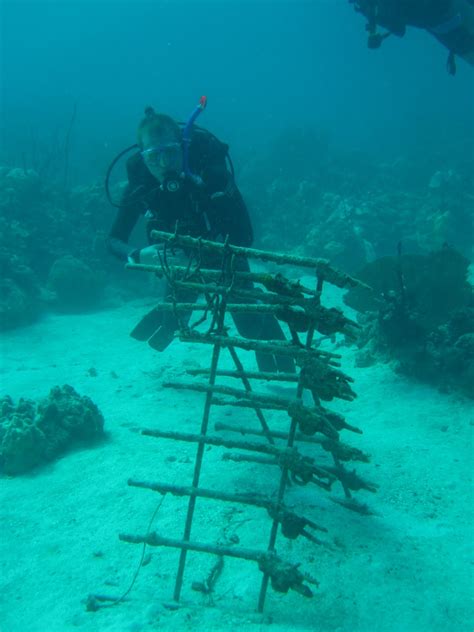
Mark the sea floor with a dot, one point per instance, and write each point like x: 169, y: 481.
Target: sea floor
x: 408, y: 567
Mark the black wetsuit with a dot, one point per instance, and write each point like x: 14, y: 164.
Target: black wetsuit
x: 212, y: 210
x: 439, y: 17
x: 395, y: 15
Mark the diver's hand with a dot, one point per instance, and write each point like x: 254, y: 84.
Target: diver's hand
x: 149, y: 256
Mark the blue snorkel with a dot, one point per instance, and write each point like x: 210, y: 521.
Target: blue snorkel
x: 186, y: 140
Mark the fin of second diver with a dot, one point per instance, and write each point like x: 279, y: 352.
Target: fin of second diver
x: 269, y: 363
x: 265, y: 362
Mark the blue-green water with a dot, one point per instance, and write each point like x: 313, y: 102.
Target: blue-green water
x: 361, y: 157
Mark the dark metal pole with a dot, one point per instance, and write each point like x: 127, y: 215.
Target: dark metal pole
x: 200, y: 449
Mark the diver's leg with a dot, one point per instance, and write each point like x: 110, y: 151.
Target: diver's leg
x: 457, y: 33
x: 271, y: 330
x: 250, y: 326
x: 262, y: 327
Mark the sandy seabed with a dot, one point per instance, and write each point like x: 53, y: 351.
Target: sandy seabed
x: 407, y: 568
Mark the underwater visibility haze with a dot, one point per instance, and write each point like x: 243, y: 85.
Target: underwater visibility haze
x: 236, y: 315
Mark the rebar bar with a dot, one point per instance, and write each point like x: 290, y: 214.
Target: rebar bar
x: 321, y: 267
x: 276, y: 347
x: 284, y: 515
x: 200, y: 451
x: 344, y: 451
x: 285, y: 576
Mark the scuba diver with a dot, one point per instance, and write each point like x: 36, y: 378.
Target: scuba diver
x: 180, y: 174
x: 450, y: 21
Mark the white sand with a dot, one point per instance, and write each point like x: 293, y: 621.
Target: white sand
x: 408, y: 568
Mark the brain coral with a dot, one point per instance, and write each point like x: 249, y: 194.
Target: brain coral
x: 34, y: 433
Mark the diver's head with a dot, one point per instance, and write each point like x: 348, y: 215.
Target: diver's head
x: 159, y: 138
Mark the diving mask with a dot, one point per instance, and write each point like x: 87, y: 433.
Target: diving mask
x: 166, y: 156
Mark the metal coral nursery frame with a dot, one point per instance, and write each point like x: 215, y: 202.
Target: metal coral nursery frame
x: 318, y: 371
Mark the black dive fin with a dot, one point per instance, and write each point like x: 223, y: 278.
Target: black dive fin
x: 268, y: 363
x: 162, y: 337
x: 147, y: 326
x: 157, y: 330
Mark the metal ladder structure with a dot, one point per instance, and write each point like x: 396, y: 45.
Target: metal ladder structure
x: 227, y: 289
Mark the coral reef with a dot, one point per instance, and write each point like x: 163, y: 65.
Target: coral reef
x: 316, y: 200
x: 420, y: 314
x: 35, y: 433
x: 75, y: 284
x: 305, y: 196
x: 40, y: 224
x: 19, y: 292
